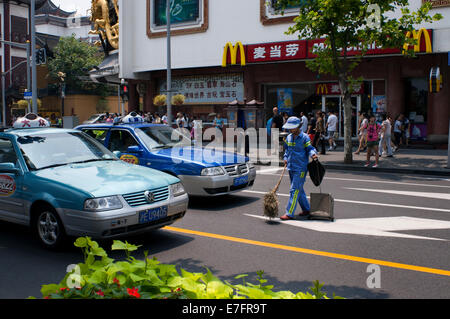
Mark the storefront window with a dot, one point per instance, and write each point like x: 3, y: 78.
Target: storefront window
x: 182, y: 11
x: 416, y: 105
x: 416, y: 99
x: 292, y: 99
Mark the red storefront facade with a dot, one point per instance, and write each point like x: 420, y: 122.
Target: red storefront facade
x: 395, y: 83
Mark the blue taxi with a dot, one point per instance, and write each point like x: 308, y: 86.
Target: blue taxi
x: 64, y: 183
x: 202, y: 171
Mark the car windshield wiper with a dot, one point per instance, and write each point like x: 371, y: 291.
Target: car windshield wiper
x: 95, y: 160
x: 52, y: 166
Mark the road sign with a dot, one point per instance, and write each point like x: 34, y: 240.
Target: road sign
x: 28, y: 95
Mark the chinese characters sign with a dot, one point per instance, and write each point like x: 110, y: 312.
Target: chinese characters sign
x: 307, y: 49
x: 208, y: 89
x: 265, y: 52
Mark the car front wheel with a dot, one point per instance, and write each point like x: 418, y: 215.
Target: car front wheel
x: 50, y: 229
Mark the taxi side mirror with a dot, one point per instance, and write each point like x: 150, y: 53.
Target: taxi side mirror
x: 9, y: 168
x: 117, y: 153
x: 134, y: 149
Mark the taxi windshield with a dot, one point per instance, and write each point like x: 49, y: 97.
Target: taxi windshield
x: 158, y: 137
x: 48, y: 150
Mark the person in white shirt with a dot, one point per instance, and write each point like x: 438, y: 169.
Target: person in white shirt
x: 386, y: 129
x: 332, y: 129
x: 164, y: 119
x: 304, y: 119
x: 181, y: 121
x: 398, y: 127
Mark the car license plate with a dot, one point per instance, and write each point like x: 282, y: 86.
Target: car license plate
x: 153, y: 214
x: 240, y: 181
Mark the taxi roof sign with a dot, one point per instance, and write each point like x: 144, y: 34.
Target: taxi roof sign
x: 31, y: 120
x: 133, y: 118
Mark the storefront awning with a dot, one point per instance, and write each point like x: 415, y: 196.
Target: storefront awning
x: 107, y: 71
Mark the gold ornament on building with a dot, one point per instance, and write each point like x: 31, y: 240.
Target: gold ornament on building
x: 105, y: 17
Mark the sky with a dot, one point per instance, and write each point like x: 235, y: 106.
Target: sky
x: 71, y: 5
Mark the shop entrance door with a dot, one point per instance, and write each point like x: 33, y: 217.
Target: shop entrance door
x: 336, y: 104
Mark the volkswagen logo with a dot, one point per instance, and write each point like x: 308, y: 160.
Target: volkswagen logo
x: 149, y: 196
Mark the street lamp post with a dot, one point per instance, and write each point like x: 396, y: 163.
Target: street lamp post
x: 169, y: 66
x: 33, y: 54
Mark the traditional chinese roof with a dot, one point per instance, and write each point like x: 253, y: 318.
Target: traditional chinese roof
x: 48, y: 7
x: 39, y: 3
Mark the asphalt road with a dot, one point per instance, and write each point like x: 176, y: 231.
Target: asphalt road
x: 390, y: 239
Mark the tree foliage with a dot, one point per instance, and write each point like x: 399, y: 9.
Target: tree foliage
x: 353, y: 23
x: 73, y: 59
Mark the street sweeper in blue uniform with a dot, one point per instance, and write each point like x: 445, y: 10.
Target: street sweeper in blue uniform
x: 296, y: 158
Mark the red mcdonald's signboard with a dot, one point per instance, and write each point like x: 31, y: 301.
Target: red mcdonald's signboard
x: 304, y: 49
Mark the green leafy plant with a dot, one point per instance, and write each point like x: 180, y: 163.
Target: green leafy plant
x: 101, y: 277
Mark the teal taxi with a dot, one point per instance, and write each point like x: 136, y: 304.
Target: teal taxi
x: 63, y: 183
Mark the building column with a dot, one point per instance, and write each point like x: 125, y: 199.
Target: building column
x: 249, y: 84
x: 148, y: 98
x: 133, y: 102
x: 438, y: 108
x: 395, y: 88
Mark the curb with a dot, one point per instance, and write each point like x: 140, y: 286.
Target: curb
x: 414, y: 171
x: 392, y: 170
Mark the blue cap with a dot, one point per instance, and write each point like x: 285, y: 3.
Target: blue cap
x: 292, y: 123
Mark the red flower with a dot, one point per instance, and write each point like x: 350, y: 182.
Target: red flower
x: 100, y: 293
x: 116, y: 281
x: 64, y: 289
x: 134, y: 292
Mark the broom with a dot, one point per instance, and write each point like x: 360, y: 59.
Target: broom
x: 271, y: 201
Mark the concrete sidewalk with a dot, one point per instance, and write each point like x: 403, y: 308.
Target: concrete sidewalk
x: 406, y: 160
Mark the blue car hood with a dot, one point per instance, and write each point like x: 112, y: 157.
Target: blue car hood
x: 107, y: 178
x: 204, y: 157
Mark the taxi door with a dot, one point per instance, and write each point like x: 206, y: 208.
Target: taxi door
x: 12, y: 195
x: 123, y: 141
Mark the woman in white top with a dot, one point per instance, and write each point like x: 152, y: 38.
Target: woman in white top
x: 385, y: 136
x: 362, y: 133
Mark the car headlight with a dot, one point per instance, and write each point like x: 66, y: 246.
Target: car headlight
x: 177, y: 189
x: 213, y: 171
x: 250, y: 165
x: 102, y: 204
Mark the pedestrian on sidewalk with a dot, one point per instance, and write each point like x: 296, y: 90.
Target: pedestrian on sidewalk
x: 311, y: 127
x: 304, y: 126
x: 332, y: 129
x: 320, y: 132
x: 398, y: 128
x: 373, y: 133
x: 405, y: 131
x: 296, y: 158
x: 385, y: 141
x: 362, y: 132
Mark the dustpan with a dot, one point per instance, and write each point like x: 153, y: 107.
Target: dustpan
x: 322, y: 204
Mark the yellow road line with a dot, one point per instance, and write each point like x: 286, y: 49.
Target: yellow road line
x: 313, y: 252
